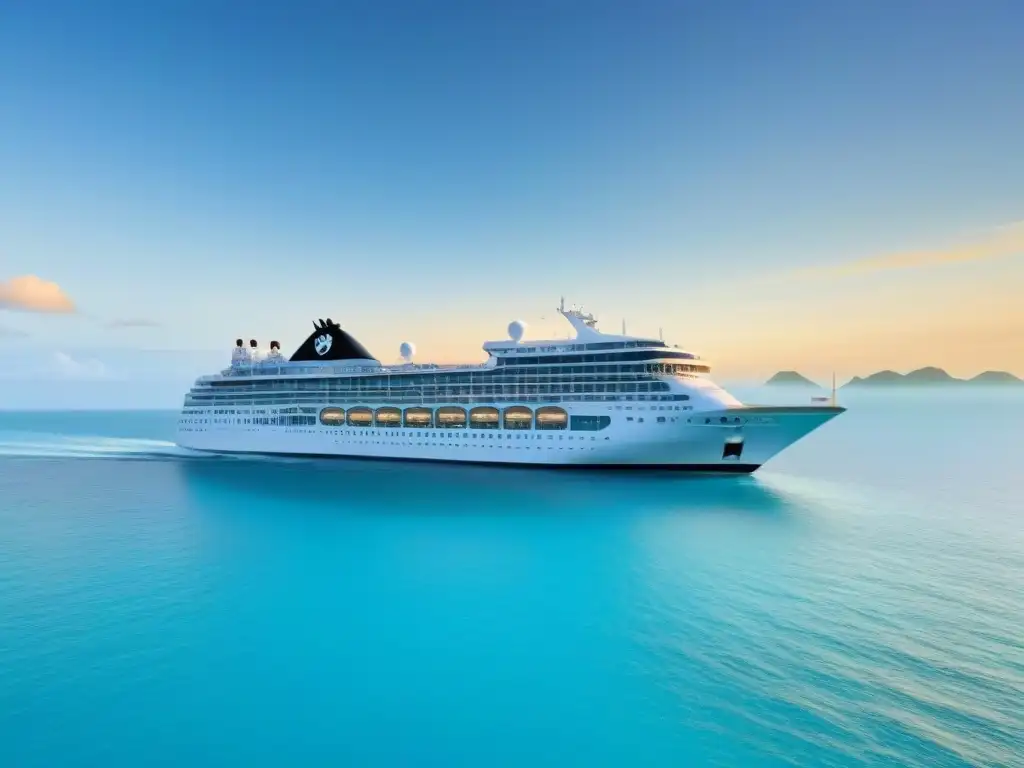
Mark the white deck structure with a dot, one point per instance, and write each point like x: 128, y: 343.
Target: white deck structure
x: 598, y: 400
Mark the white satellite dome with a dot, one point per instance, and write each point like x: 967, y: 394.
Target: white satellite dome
x: 516, y: 330
x: 407, y: 350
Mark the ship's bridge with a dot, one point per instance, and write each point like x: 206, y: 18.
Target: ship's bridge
x: 589, y: 346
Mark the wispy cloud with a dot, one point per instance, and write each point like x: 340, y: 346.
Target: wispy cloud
x: 68, y: 367
x: 29, y: 293
x: 11, y: 333
x: 1011, y: 225
x: 137, y: 322
x: 1006, y: 240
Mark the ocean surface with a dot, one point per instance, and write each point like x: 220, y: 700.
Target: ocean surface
x: 859, y: 601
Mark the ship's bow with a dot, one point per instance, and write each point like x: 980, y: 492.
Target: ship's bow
x: 751, y: 435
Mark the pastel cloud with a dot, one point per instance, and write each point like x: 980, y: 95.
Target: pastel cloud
x: 29, y: 293
x: 1007, y: 240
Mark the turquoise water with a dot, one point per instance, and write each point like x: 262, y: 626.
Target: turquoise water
x: 859, y: 601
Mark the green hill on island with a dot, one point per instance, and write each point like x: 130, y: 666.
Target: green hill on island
x: 790, y: 379
x: 932, y: 376
x: 995, y: 378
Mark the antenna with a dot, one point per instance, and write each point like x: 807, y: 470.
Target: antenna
x: 623, y: 326
x: 833, y: 389
x: 661, y: 334
x: 561, y: 306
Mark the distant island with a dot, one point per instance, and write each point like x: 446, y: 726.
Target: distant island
x: 790, y: 379
x: 932, y: 376
x: 996, y: 377
x: 929, y: 377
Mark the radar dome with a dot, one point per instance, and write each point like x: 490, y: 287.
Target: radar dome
x: 516, y: 330
x: 407, y: 350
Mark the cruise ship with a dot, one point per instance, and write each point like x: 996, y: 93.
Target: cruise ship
x: 596, y: 400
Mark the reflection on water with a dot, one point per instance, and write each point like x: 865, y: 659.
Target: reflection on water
x: 367, y: 486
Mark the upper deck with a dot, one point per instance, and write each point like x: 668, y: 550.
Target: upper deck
x: 328, y: 341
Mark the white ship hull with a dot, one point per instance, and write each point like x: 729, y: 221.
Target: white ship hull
x: 645, y: 438
x: 596, y: 400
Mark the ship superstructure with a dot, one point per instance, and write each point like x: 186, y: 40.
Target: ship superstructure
x: 597, y: 400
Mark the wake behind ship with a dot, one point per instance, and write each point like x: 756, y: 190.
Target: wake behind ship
x: 598, y: 400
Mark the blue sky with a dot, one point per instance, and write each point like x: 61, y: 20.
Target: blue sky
x: 430, y: 171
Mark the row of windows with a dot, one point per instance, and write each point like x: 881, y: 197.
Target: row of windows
x: 300, y: 416
x: 284, y: 421
x: 678, y: 369
x: 270, y: 421
x: 455, y: 417
x: 546, y: 375
x: 536, y: 387
x: 612, y: 357
x: 539, y: 375
x: 444, y: 393
x: 594, y: 346
x: 285, y: 398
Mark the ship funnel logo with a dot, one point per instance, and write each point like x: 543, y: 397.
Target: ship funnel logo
x: 322, y: 344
